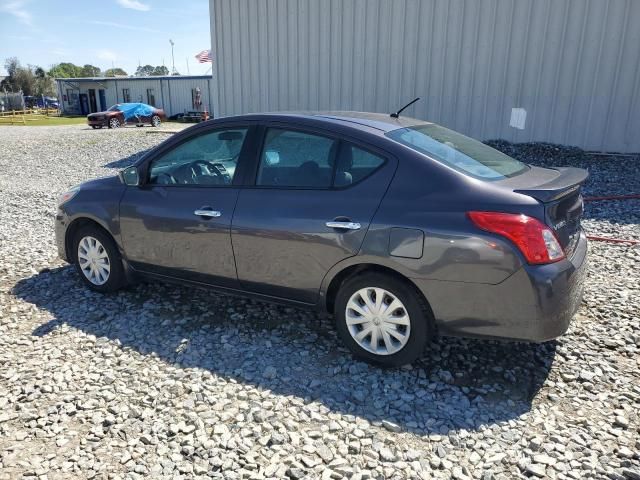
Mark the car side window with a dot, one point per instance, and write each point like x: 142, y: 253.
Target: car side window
x: 207, y: 159
x: 353, y: 164
x: 296, y: 159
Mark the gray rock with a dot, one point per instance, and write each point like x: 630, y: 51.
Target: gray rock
x: 630, y: 474
x: 387, y: 455
x: 392, y: 427
x: 536, y: 469
x: 270, y: 372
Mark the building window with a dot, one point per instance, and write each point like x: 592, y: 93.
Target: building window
x: 69, y: 93
x: 126, y: 96
x: 151, y: 96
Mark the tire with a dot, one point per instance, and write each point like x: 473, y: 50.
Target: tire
x: 91, y: 242
x: 156, y: 121
x: 98, y: 127
x: 114, y: 122
x: 406, y: 335
x: 94, y: 126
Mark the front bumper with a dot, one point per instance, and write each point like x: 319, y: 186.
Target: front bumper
x: 97, y: 122
x: 61, y: 224
x: 534, y: 304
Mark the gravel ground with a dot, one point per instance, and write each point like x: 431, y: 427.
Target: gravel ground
x: 164, y: 382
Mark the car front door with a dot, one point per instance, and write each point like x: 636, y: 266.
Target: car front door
x: 177, y: 223
x: 309, y: 208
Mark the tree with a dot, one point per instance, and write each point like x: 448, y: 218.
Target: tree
x: 90, y: 71
x: 43, y: 83
x: 160, y: 70
x: 144, y: 71
x: 19, y: 78
x: 151, y: 71
x: 115, y: 72
x: 65, y: 70
x: 11, y: 64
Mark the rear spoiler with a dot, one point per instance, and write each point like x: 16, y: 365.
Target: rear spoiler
x: 569, y: 180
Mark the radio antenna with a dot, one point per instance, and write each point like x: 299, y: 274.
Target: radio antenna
x: 397, y: 114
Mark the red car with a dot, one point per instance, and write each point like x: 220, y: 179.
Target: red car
x: 127, y: 113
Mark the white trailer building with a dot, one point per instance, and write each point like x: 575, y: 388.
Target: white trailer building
x: 174, y: 94
x: 561, y: 71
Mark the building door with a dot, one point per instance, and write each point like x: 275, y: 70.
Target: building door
x: 103, y: 100
x: 84, y: 104
x: 92, y: 100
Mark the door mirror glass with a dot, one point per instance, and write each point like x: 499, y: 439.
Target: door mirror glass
x: 271, y: 157
x: 130, y: 176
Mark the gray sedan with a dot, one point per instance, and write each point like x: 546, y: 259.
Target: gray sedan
x: 398, y: 227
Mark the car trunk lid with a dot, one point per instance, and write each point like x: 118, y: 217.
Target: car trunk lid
x: 560, y: 191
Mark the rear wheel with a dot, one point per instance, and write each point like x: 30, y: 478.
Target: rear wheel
x: 382, y: 319
x: 114, y: 123
x: 156, y: 121
x: 97, y: 260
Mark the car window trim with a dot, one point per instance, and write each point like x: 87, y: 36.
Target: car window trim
x: 243, y: 159
x: 261, y: 136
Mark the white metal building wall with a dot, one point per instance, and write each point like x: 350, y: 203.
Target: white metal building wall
x: 573, y: 65
x: 173, y: 94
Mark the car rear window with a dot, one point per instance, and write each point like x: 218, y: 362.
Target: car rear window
x: 462, y: 153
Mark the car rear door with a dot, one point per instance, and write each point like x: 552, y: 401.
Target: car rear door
x: 178, y: 222
x: 309, y: 206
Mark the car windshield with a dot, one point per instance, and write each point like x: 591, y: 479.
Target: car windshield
x: 465, y: 154
x: 115, y: 108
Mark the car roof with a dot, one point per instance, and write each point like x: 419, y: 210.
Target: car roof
x: 378, y: 121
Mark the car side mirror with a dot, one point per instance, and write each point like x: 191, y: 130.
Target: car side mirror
x: 130, y: 176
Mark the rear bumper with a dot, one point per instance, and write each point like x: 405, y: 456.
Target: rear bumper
x: 534, y: 304
x: 100, y: 123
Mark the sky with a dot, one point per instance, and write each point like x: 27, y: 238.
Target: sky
x: 105, y: 33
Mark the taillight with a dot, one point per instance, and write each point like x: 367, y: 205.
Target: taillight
x: 536, y: 241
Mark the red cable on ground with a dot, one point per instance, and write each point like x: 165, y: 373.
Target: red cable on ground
x: 596, y: 238
x: 612, y: 240
x: 613, y: 197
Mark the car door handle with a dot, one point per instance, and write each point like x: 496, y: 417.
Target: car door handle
x: 203, y: 212
x: 344, y: 225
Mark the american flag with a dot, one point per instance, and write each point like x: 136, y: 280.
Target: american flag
x: 204, y: 56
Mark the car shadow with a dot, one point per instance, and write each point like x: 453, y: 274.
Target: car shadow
x: 458, y: 384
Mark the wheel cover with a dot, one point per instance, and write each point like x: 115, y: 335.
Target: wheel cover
x: 115, y: 123
x: 94, y: 260
x: 155, y: 121
x: 378, y: 321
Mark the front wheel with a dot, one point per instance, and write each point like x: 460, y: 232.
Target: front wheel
x: 97, y: 260
x: 382, y: 320
x: 156, y: 121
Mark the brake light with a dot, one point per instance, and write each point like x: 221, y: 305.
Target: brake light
x: 534, y: 239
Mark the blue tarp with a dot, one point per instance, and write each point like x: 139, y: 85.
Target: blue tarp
x: 135, y: 110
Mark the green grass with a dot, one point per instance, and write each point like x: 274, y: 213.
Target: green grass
x: 45, y: 121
